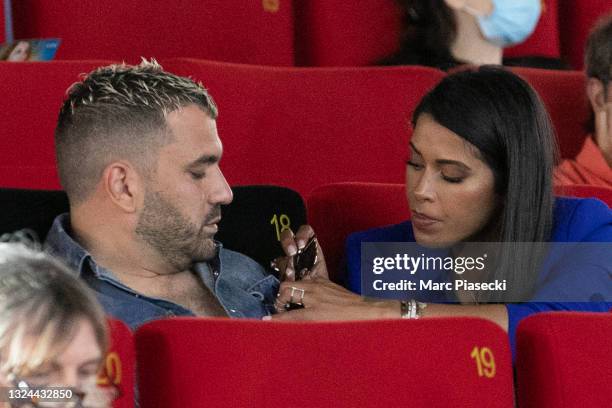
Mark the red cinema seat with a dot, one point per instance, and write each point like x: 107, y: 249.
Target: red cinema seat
x: 544, y: 41
x: 2, y: 26
x: 118, y: 369
x: 304, y: 127
x: 564, y: 360
x: 564, y: 95
x: 191, y: 362
x: 577, y: 18
x: 255, y: 32
x: 346, y: 33
x: 32, y: 94
x: 579, y: 190
x: 337, y: 210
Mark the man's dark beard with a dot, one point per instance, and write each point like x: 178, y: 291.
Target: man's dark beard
x: 173, y: 236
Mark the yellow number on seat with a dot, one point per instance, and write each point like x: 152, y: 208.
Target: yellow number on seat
x: 485, y: 361
x: 280, y: 223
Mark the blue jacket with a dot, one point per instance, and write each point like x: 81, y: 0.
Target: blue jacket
x: 575, y: 220
x: 239, y: 283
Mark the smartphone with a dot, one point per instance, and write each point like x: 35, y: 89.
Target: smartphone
x: 303, y: 262
x: 306, y: 258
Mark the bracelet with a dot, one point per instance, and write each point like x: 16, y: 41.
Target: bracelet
x: 411, y: 309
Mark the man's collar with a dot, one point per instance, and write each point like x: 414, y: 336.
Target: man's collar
x: 60, y: 243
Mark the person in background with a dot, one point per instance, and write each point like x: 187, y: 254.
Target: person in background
x: 593, y: 164
x: 17, y: 52
x: 480, y: 171
x: 53, y: 332
x: 447, y: 33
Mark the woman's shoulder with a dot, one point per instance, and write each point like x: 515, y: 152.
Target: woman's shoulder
x: 581, y: 219
x: 401, y: 232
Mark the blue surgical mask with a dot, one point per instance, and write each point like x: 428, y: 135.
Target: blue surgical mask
x: 511, y: 21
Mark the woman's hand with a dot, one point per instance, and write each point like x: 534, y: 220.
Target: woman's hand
x: 291, y: 244
x: 324, y: 300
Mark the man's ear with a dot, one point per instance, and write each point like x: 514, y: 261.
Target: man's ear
x: 123, y: 185
x: 595, y: 92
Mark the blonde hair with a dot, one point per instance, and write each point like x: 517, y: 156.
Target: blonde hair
x: 41, y: 302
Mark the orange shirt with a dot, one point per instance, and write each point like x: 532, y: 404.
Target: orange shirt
x: 589, y: 167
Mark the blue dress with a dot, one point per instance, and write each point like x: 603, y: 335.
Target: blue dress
x: 575, y: 220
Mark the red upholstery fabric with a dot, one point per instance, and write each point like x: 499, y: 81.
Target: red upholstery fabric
x: 193, y: 362
x: 25, y: 176
x: 577, y: 17
x: 120, y: 364
x: 2, y: 25
x: 564, y: 95
x: 346, y: 33
x: 256, y: 32
x: 564, y: 360
x: 32, y: 93
x: 304, y: 127
x: 337, y: 210
x: 544, y: 41
x: 355, y: 33
x: 577, y: 190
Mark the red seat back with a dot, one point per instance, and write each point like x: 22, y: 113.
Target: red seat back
x: 577, y: 17
x: 32, y: 94
x: 256, y: 32
x: 544, y: 41
x: 564, y: 360
x: 119, y: 366
x: 192, y: 362
x: 564, y: 95
x: 585, y: 191
x: 2, y: 26
x: 337, y: 210
x: 346, y: 33
x: 303, y: 127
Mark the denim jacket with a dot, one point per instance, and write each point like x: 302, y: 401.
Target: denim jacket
x: 239, y: 283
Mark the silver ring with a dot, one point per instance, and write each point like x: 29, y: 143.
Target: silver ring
x: 293, y: 291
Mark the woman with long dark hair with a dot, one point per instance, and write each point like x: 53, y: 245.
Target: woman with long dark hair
x: 480, y: 171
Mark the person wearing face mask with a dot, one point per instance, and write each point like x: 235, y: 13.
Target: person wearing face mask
x: 593, y: 164
x: 480, y: 171
x: 448, y: 33
x: 52, y: 331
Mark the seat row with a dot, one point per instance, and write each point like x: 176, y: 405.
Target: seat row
x: 295, y: 127
x: 252, y: 223
x: 432, y: 362
x: 271, y: 32
x: 564, y: 360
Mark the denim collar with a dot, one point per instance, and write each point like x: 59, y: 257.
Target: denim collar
x: 60, y: 244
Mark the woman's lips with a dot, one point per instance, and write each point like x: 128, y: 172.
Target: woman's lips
x: 424, y: 222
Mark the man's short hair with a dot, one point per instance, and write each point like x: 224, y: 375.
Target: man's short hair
x: 119, y: 112
x: 598, y: 56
